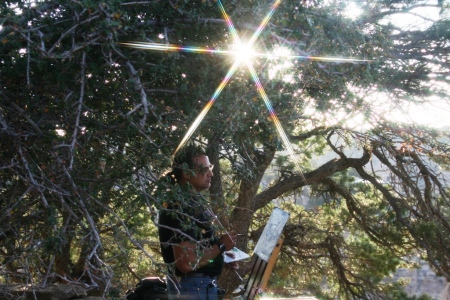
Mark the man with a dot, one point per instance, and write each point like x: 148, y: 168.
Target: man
x: 189, y: 245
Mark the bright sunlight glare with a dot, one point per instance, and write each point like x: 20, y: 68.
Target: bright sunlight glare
x: 435, y: 116
x: 352, y: 11
x: 432, y: 112
x: 379, y: 108
x: 281, y: 64
x: 243, y: 51
x: 418, y: 18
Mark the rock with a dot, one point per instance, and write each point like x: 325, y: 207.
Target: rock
x: 422, y: 281
x: 50, y: 292
x: 57, y: 292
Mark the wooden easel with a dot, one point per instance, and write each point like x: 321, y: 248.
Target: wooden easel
x: 261, y: 271
x: 265, y: 254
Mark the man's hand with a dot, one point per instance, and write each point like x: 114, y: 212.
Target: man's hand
x: 232, y: 265
x: 229, y: 240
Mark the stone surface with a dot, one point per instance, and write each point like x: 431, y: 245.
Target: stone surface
x: 422, y: 281
x: 51, y: 292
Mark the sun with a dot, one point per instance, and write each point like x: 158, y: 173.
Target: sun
x: 243, y: 52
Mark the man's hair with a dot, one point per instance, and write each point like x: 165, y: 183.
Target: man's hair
x: 185, y: 157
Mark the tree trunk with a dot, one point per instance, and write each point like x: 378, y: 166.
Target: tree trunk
x: 242, y: 216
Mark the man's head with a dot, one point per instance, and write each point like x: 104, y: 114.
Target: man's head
x: 192, y: 165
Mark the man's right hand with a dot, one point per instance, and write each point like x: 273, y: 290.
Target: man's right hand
x: 229, y: 240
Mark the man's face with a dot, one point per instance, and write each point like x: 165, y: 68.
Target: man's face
x: 203, y: 173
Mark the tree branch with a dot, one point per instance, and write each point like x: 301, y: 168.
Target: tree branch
x: 79, y: 109
x: 378, y: 16
x: 294, y: 182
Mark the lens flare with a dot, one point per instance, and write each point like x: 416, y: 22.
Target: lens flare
x: 258, y: 84
x: 208, y: 106
x: 275, y: 119
x: 176, y: 48
x: 230, y: 72
x: 243, y: 52
x: 236, y: 52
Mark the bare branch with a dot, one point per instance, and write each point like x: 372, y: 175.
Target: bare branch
x: 140, y: 2
x: 31, y: 178
x: 79, y: 109
x: 71, y: 30
x: 23, y: 114
x: 378, y: 16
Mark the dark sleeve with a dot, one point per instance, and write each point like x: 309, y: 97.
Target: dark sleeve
x: 177, y: 226
x: 174, y: 226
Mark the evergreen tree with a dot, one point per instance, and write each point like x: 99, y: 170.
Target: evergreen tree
x: 88, y: 126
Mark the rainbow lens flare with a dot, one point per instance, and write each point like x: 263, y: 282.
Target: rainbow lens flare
x: 233, y: 68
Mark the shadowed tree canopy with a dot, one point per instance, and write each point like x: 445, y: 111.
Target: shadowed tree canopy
x: 88, y: 126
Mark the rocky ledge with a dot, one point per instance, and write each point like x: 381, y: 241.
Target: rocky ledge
x: 50, y: 292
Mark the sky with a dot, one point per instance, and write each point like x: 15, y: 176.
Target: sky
x: 434, y: 114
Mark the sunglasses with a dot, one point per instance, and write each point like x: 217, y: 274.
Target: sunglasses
x: 204, y: 170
